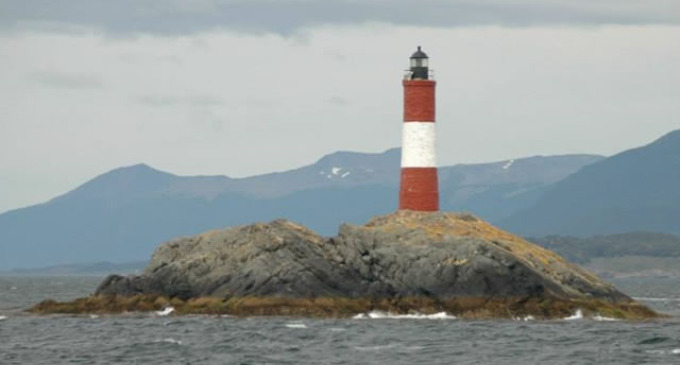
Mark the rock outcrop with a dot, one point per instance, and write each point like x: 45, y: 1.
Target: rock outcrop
x: 440, y: 256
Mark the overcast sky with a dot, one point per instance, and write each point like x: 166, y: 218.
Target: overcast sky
x: 246, y: 87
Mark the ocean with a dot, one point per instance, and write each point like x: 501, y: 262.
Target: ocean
x: 375, y: 339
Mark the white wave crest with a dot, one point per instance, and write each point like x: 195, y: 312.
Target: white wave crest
x: 166, y: 311
x: 575, y: 316
x: 579, y: 315
x: 384, y: 315
x: 600, y: 318
x: 169, y: 340
x: 664, y: 352
x: 2, y: 317
x: 296, y: 325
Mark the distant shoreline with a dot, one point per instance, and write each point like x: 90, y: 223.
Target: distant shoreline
x: 82, y: 269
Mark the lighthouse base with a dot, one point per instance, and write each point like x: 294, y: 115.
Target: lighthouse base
x: 419, y: 189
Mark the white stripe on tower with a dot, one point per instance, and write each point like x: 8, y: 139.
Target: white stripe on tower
x: 418, y: 146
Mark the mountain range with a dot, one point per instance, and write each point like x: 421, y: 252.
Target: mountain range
x: 636, y: 190
x: 122, y: 215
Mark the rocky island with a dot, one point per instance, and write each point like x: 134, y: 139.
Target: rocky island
x: 404, y: 262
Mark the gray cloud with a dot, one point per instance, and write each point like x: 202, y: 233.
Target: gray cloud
x: 171, y: 17
x: 67, y: 80
x: 338, y: 101
x: 171, y: 100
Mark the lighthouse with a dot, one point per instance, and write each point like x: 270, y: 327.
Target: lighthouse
x: 419, y: 186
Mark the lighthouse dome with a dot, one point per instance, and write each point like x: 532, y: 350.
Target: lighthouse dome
x: 419, y: 54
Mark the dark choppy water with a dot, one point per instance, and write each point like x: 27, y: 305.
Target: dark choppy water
x: 150, y: 339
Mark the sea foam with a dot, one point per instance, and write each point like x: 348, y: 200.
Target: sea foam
x: 604, y: 319
x: 577, y: 315
x: 169, y: 340
x: 296, y: 325
x: 383, y: 315
x: 166, y: 311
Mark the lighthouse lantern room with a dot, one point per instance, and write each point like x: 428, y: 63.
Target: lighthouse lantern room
x: 419, y: 65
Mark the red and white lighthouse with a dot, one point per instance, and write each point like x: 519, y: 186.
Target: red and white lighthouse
x: 419, y: 187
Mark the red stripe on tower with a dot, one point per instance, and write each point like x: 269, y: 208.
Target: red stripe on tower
x: 419, y: 187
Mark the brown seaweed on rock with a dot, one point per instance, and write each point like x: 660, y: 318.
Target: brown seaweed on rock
x: 466, y: 308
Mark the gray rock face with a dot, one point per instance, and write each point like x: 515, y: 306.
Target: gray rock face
x: 439, y: 255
